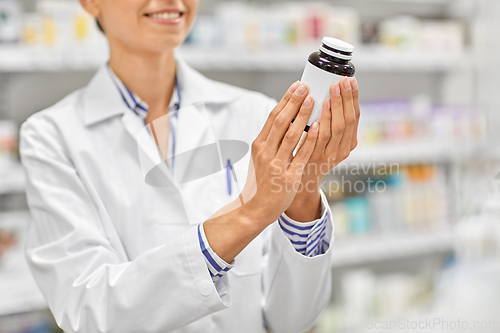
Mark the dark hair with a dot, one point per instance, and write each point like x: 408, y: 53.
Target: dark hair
x: 99, y: 25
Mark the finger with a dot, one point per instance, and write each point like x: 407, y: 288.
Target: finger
x: 355, y: 97
x: 350, y: 120
x: 337, y: 121
x: 304, y: 153
x: 264, y: 133
x: 325, y: 131
x: 295, y: 130
x: 284, y: 118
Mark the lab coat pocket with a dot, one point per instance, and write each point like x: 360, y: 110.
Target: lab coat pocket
x: 225, y: 188
x: 226, y: 185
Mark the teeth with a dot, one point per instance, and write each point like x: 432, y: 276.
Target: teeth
x: 165, y: 16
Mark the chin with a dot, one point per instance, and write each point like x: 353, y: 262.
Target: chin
x: 161, y: 45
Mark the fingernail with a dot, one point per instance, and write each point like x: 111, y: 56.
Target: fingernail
x: 336, y: 88
x: 328, y: 104
x: 301, y: 91
x: 354, y: 84
x: 307, y: 103
x: 314, y: 126
x: 347, y: 85
x: 293, y: 87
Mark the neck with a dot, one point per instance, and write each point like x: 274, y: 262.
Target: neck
x: 151, y: 76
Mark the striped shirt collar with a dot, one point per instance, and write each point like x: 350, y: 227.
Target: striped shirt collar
x: 134, y: 102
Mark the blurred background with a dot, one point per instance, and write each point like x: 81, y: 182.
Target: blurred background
x: 416, y: 207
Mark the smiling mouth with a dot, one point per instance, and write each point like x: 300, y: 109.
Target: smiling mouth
x: 165, y: 15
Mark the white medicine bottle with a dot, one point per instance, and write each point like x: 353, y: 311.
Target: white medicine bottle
x: 324, y: 68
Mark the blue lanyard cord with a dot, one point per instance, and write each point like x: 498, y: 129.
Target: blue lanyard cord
x: 228, y: 175
x: 176, y: 107
x: 172, y: 128
x: 113, y: 78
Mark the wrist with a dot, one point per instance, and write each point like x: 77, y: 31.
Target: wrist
x: 311, y: 178
x: 306, y: 206
x: 253, y: 217
x: 231, y: 229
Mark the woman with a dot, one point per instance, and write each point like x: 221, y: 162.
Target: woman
x: 111, y: 253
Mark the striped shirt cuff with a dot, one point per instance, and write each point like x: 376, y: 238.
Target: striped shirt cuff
x: 216, y: 266
x: 307, y: 238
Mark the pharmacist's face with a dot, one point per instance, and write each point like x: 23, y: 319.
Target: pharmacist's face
x: 150, y: 25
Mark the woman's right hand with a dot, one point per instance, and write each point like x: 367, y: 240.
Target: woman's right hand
x: 274, y: 173
x: 273, y: 176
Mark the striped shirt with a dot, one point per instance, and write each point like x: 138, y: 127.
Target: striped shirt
x: 309, y: 239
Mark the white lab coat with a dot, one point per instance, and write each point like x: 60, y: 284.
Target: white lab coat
x: 113, y: 254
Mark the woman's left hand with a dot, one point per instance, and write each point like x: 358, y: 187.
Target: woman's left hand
x: 338, y: 131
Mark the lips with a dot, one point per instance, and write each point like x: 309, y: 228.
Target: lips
x: 165, y: 16
x: 168, y: 14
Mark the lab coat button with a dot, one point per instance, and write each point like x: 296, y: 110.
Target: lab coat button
x: 206, y: 287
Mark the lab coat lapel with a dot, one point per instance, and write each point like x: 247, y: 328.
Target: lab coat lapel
x: 198, y: 161
x: 194, y: 135
x: 101, y: 101
x: 199, y: 97
x: 155, y: 171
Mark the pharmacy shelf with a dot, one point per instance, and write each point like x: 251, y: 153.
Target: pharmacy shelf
x: 12, y: 179
x: 364, y: 249
x: 28, y: 59
x: 17, y: 286
x: 33, y: 59
x: 365, y: 59
x: 413, y: 152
